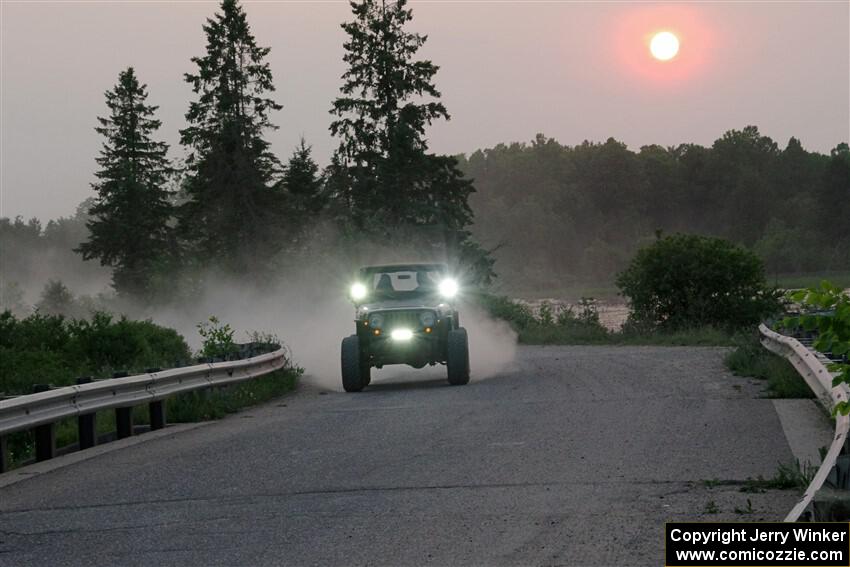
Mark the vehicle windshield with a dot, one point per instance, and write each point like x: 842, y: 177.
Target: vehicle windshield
x: 400, y: 282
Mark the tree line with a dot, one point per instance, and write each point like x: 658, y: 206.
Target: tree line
x: 235, y: 206
x: 560, y: 214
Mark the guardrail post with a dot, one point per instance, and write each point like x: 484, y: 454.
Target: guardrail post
x: 4, y: 454
x: 45, y: 442
x: 157, y: 414
x: 156, y: 409
x: 45, y: 435
x: 123, y: 416
x: 123, y: 422
x: 87, y: 423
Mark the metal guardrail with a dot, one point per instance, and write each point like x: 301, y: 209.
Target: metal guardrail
x: 811, y: 366
x: 42, y: 410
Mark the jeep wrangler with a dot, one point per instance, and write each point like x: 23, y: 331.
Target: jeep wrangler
x: 404, y: 314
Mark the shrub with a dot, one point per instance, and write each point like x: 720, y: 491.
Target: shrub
x: 55, y: 350
x: 217, y: 339
x: 827, y: 310
x: 688, y: 281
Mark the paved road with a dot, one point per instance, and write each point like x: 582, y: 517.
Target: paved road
x: 576, y: 457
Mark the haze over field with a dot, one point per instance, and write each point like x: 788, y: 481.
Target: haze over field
x: 508, y: 70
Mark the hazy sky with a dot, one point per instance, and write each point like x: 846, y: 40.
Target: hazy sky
x: 571, y: 70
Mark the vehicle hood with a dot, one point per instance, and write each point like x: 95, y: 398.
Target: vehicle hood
x: 421, y: 303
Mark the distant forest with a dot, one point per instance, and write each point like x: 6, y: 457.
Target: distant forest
x: 558, y: 214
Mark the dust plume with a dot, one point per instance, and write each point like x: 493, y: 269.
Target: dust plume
x: 304, y: 305
x: 312, y: 317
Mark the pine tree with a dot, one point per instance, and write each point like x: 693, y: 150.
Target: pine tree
x: 382, y: 172
x: 129, y: 220
x: 381, y: 121
x: 56, y: 299
x: 302, y: 181
x: 233, y: 208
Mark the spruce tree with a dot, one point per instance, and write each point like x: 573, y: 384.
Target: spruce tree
x: 302, y: 181
x: 129, y: 220
x: 234, y: 205
x: 388, y: 98
x: 382, y: 174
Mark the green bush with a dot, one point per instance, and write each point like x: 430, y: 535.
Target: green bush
x: 50, y: 349
x: 827, y: 310
x: 54, y: 350
x: 217, y: 339
x: 687, y: 281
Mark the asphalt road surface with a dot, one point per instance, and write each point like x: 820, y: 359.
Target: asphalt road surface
x: 576, y: 456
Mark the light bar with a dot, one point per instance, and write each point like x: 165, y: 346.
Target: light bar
x: 401, y: 334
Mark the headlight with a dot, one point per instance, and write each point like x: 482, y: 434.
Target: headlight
x: 402, y: 335
x: 358, y: 291
x: 376, y: 321
x: 448, y: 287
x: 427, y: 319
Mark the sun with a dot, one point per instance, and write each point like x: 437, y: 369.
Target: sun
x: 664, y: 46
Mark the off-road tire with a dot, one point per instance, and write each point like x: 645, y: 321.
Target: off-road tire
x: 353, y: 379
x: 457, y: 357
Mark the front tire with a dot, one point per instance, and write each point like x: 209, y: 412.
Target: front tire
x: 457, y: 357
x: 355, y: 371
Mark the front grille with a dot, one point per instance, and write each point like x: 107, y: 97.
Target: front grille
x: 401, y: 320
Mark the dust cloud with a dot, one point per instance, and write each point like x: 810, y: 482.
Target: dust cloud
x: 305, y: 306
x: 492, y: 342
x: 310, y: 313
x: 312, y: 318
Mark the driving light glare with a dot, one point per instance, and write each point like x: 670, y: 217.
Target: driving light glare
x: 358, y: 291
x: 402, y: 334
x: 448, y: 288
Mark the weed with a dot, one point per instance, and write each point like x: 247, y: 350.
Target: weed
x: 787, y: 477
x: 746, y: 510
x: 751, y: 359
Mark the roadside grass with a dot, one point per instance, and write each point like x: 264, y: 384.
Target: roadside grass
x: 554, y: 325
x: 216, y: 403
x: 751, y: 359
x: 788, y: 476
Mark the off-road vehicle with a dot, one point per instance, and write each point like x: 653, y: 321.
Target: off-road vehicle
x: 405, y: 314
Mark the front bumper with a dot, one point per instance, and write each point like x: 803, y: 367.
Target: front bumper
x: 421, y: 349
